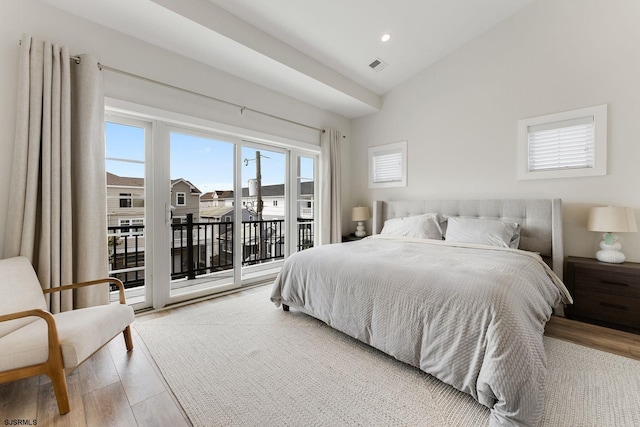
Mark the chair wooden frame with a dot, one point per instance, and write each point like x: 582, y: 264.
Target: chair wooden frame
x: 53, y: 367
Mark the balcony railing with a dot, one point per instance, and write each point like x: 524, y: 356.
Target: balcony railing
x: 126, y: 254
x: 199, y: 248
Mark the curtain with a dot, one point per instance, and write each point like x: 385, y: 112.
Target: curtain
x: 58, y: 194
x: 330, y: 190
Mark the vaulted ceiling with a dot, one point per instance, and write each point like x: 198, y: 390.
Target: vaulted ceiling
x: 315, y: 51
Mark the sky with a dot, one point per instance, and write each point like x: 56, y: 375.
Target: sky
x: 206, y: 163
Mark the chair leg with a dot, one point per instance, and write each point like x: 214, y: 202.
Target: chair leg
x: 127, y: 338
x: 59, y: 380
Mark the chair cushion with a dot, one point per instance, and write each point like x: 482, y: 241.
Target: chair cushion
x: 81, y: 333
x: 20, y: 290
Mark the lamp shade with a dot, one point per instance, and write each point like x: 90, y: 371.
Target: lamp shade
x: 612, y: 219
x: 360, y: 213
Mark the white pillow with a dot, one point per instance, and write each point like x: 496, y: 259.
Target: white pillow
x: 483, y: 231
x: 425, y: 226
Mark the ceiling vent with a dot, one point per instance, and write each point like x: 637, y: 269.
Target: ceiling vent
x: 378, y: 64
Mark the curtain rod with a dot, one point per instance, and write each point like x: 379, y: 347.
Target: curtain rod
x: 242, y: 108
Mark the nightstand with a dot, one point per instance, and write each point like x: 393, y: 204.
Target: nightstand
x: 350, y: 238
x: 604, y: 294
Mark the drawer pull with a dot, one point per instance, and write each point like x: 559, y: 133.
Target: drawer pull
x: 619, y: 307
x: 607, y: 282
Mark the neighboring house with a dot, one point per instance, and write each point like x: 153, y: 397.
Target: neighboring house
x: 306, y: 200
x: 126, y: 207
x: 125, y: 200
x: 185, y: 198
x: 273, y: 203
x: 207, y: 199
x: 216, y: 198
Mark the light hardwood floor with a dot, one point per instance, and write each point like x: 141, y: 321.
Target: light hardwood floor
x: 617, y: 342
x: 116, y: 388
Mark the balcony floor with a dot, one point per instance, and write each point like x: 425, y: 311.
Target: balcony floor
x: 221, y: 280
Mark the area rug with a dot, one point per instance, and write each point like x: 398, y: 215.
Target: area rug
x: 242, y: 362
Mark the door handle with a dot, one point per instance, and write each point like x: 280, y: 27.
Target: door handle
x: 168, y: 213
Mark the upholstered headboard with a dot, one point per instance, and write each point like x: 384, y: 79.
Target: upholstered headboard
x: 540, y: 220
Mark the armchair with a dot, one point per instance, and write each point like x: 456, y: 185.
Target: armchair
x: 33, y: 341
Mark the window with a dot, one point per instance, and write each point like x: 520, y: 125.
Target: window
x: 275, y: 203
x: 569, y: 144
x: 388, y: 165
x: 132, y: 222
x: 126, y: 200
x: 181, y: 199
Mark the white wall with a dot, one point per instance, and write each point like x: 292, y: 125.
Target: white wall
x: 460, y: 116
x: 123, y: 52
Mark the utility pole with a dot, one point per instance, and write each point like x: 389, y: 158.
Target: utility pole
x: 261, y: 249
x: 259, y: 190
x: 260, y: 232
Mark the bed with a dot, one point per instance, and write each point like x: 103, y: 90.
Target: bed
x: 471, y: 315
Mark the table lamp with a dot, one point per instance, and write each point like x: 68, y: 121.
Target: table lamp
x: 360, y: 214
x: 609, y: 220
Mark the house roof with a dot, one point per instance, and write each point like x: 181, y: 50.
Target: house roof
x: 129, y: 181
x: 124, y: 181
x: 193, y: 188
x: 273, y: 190
x: 206, y: 196
x: 217, y: 194
x: 215, y: 211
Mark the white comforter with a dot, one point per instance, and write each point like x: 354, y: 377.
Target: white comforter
x: 472, y: 316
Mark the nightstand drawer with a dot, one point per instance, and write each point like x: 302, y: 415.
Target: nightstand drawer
x: 607, y: 308
x: 606, y: 282
x: 604, y: 294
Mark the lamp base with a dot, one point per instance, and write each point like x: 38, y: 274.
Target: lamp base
x: 610, y: 253
x: 360, y: 232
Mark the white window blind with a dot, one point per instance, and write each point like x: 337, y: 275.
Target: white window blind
x: 568, y: 144
x: 388, y: 165
x: 563, y: 145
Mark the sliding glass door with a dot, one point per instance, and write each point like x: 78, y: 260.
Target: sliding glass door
x: 192, y: 212
x: 202, y: 199
x: 264, y: 210
x: 127, y: 141
x: 304, y: 208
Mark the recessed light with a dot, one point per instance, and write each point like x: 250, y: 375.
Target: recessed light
x: 386, y: 37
